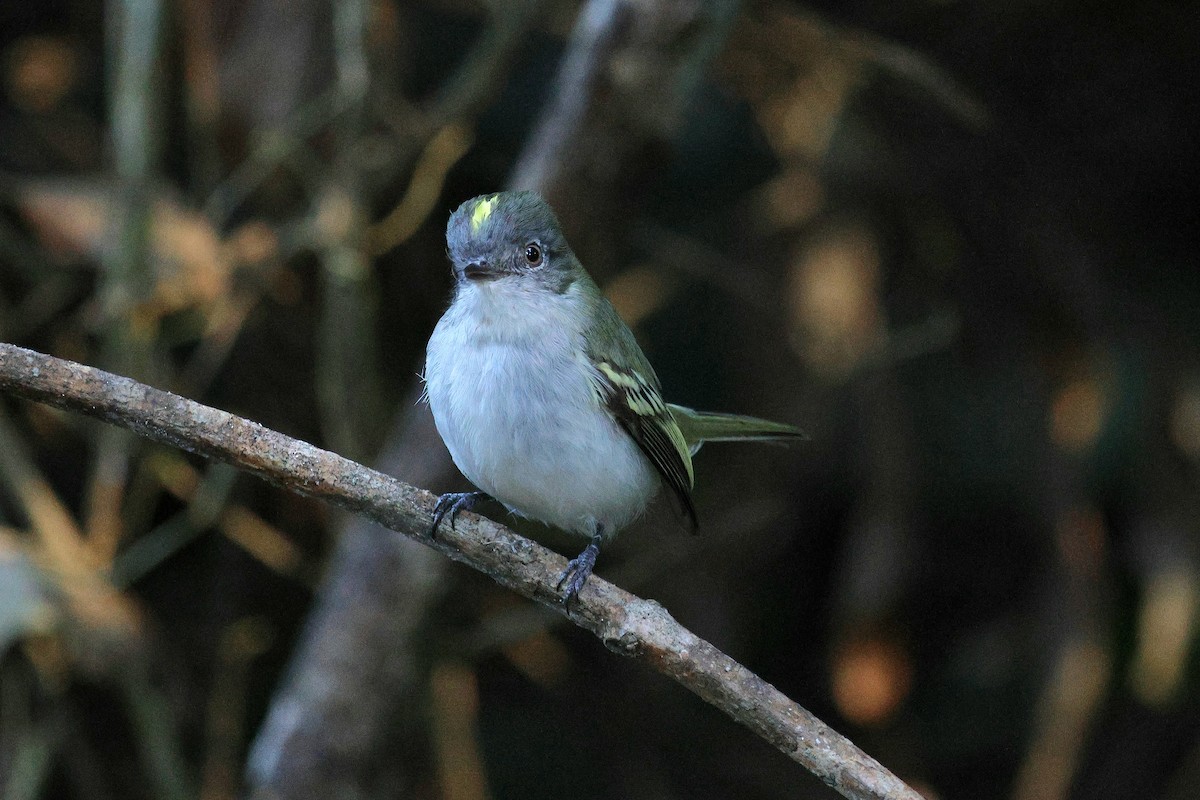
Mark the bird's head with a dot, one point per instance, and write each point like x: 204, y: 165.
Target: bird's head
x: 511, y: 236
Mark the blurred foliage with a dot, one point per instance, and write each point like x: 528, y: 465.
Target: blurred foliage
x: 955, y: 241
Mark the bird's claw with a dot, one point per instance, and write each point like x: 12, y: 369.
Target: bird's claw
x: 453, y: 504
x: 578, y: 570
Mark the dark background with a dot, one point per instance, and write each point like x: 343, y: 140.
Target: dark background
x: 954, y: 241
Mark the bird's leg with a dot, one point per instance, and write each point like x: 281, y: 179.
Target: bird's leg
x: 579, y: 569
x: 453, y: 503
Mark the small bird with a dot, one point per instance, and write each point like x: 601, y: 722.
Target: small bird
x: 543, y: 396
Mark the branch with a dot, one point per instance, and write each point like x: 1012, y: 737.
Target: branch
x: 626, y: 624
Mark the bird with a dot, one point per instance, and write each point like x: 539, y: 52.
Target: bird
x: 542, y: 394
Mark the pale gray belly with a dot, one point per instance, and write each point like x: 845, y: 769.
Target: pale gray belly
x: 527, y: 430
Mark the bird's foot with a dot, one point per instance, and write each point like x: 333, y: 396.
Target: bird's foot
x: 578, y: 570
x: 452, y: 504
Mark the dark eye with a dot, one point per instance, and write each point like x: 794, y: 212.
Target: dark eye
x: 533, y: 254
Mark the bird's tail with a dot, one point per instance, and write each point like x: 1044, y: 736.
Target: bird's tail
x: 699, y: 427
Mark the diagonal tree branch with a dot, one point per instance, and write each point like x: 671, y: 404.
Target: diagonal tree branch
x: 626, y: 624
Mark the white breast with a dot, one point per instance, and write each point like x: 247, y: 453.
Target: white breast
x: 507, y: 378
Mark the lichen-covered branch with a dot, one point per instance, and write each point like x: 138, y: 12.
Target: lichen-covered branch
x: 625, y: 623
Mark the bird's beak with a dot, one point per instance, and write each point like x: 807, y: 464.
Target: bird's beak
x: 479, y: 271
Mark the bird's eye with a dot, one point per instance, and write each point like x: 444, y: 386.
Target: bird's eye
x: 533, y: 254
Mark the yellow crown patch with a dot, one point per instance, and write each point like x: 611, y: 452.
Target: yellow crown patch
x: 483, y: 210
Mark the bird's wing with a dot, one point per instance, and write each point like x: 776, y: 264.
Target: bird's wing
x: 637, y: 405
x: 625, y: 383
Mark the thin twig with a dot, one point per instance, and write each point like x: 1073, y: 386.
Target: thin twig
x: 591, y: 44
x: 479, y: 79
x: 135, y: 29
x: 626, y: 624
x: 347, y: 379
x: 440, y: 155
